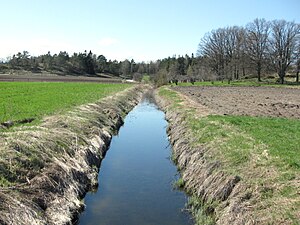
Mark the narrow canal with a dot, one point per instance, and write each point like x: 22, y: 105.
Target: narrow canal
x: 136, y: 177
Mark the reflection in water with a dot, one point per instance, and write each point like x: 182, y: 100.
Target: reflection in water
x: 136, y: 176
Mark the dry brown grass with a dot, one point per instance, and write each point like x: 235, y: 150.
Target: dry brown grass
x: 46, y: 169
x: 227, y: 169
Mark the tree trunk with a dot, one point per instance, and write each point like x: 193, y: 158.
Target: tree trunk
x: 298, y: 69
x: 258, y: 68
x: 281, y: 76
x: 258, y: 76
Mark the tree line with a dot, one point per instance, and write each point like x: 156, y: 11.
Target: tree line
x: 85, y: 63
x: 260, y: 48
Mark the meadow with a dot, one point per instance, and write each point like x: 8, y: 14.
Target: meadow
x: 263, y: 151
x: 34, y: 100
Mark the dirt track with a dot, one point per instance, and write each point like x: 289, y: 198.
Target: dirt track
x: 36, y: 78
x: 253, y: 101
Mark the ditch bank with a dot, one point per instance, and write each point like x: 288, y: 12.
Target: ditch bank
x: 216, y: 197
x: 47, y: 169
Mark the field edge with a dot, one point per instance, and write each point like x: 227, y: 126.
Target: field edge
x: 219, y: 193
x: 61, y: 157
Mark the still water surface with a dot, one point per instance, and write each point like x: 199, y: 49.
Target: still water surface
x: 136, y: 176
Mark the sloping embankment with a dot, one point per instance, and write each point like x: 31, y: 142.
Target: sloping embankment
x: 54, y: 164
x: 218, y: 197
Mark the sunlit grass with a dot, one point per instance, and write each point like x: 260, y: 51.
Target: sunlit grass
x: 263, y: 151
x: 282, y: 136
x: 21, y: 100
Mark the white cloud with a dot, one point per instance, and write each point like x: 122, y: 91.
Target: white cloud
x: 108, y: 41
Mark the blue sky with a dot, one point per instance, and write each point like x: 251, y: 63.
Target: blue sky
x: 140, y: 29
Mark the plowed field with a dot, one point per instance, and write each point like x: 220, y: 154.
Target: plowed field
x: 252, y: 101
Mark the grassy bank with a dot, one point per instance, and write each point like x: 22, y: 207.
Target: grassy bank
x: 46, y: 168
x: 25, y: 150
x: 263, y: 152
x: 23, y: 100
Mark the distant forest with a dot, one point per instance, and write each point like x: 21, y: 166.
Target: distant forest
x: 259, y: 49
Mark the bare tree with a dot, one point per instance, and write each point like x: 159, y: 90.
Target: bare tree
x: 283, y: 45
x: 257, y: 43
x: 142, y: 68
x: 137, y: 77
x: 153, y: 67
x: 212, y: 46
x: 126, y: 68
x: 174, y: 72
x: 191, y: 72
x: 297, y: 70
x: 297, y: 59
x: 234, y: 51
x: 225, y: 50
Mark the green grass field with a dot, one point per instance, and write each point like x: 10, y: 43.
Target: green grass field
x: 22, y: 100
x: 282, y: 136
x: 264, y: 152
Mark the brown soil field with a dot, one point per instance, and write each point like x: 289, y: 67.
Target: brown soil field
x: 36, y: 78
x: 252, y: 101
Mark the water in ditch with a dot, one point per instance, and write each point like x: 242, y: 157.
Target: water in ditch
x: 136, y: 177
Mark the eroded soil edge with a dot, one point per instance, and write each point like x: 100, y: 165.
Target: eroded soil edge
x: 56, y: 163
x: 223, y: 197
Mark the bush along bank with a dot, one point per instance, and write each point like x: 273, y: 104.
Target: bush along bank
x: 46, y: 169
x: 230, y: 176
